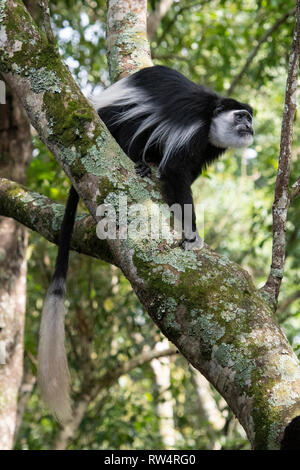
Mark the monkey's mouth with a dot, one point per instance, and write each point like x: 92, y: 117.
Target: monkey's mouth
x: 246, y: 132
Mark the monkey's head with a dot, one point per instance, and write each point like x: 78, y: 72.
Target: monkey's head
x: 231, y: 125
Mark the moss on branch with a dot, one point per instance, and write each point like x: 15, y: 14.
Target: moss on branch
x: 41, y: 214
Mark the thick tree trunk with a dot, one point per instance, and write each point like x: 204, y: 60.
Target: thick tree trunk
x: 161, y: 369
x: 15, y: 153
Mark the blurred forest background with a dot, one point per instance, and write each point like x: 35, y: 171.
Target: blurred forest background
x: 236, y: 46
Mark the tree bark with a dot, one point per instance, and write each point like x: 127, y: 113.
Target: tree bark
x: 15, y: 154
x: 203, y: 302
x: 127, y: 45
x: 41, y: 214
x: 282, y: 197
x: 162, y: 372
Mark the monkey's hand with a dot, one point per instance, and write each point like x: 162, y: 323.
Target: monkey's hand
x: 142, y: 169
x: 193, y: 243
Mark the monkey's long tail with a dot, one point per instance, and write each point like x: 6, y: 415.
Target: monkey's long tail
x: 53, y: 372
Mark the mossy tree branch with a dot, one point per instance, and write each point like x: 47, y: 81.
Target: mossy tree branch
x: 44, y: 216
x: 203, y: 302
x: 44, y: 4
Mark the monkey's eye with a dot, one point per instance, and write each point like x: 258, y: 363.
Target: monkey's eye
x: 238, y: 117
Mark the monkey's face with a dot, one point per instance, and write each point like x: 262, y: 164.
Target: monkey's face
x: 232, y: 129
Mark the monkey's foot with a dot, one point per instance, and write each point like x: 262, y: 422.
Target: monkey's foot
x: 142, y: 169
x: 194, y: 243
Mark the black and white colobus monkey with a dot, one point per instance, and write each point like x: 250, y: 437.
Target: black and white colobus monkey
x: 157, y: 116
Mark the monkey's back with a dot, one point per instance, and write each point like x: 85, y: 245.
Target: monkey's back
x: 160, y: 116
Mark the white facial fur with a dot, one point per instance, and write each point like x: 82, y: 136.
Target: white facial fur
x: 223, y: 132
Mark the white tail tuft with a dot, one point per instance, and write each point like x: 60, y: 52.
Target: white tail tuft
x: 53, y: 372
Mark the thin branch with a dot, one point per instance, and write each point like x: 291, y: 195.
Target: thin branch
x: 284, y: 305
x: 44, y: 216
x: 47, y: 21
x: 254, y: 51
x: 146, y: 356
x: 67, y: 432
x: 295, y: 190
x: 154, y: 19
x: 282, y: 197
x: 178, y: 12
x: 25, y: 392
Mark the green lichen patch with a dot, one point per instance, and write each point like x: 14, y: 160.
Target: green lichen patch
x: 70, y: 157
x: 44, y: 80
x: 208, y: 331
x: 58, y: 213
x: 179, y: 259
x: 169, y: 276
x: 225, y: 355
x: 166, y: 312
x: 240, y: 362
x: 105, y: 159
x: 243, y: 368
x: 167, y: 305
x: 2, y: 8
x: 130, y: 46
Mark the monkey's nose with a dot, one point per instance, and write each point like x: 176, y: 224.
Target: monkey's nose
x: 248, y: 128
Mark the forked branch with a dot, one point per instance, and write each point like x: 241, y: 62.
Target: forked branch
x: 282, y: 194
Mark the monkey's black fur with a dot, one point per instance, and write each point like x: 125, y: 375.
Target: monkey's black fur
x: 291, y: 437
x: 157, y: 116
x: 181, y: 105
x: 62, y: 259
